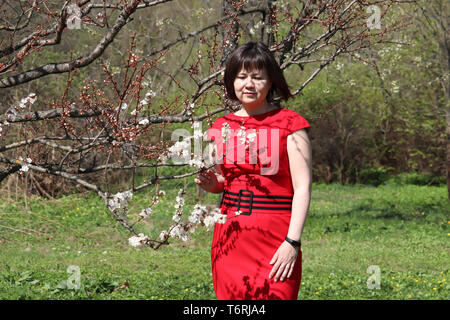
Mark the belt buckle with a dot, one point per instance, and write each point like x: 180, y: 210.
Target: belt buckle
x: 250, y: 205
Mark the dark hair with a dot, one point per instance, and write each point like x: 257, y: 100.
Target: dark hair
x: 255, y: 55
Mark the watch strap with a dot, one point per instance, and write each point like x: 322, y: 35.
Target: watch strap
x: 293, y: 242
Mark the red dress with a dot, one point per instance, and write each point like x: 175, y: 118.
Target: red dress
x: 257, y: 183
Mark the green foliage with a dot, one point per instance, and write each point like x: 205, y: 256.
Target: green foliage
x: 416, y: 178
x: 374, y: 176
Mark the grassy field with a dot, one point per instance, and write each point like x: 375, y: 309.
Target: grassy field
x: 403, y: 230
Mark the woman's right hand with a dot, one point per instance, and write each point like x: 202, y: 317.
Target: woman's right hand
x: 209, y: 181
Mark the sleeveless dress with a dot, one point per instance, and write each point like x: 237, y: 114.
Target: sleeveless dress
x: 257, y: 201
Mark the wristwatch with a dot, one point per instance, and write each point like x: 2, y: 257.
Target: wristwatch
x: 294, y: 243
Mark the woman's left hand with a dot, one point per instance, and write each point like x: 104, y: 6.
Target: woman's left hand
x: 284, y: 261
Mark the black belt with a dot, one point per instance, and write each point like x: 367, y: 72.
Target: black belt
x: 229, y: 198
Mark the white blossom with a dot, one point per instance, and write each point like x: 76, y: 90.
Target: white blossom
x: 180, y: 149
x: 225, y: 130
x: 251, y: 136
x: 196, y: 162
x: 28, y: 100
x: 196, y: 214
x: 209, y: 222
x: 137, y: 241
x: 245, y: 138
x: 241, y: 132
x: 163, y: 235
x: 190, y: 109
x: 155, y: 200
x: 4, y: 124
x: 257, y: 26
x: 395, y: 87
x: 176, y: 218
x: 221, y: 218
x: 134, y: 58
x: 214, y: 217
x: 178, y: 206
x: 159, y: 23
x: 145, y: 212
x: 120, y: 200
x: 144, y: 122
x: 179, y: 232
x: 180, y: 200
x: 24, y: 164
x: 150, y: 94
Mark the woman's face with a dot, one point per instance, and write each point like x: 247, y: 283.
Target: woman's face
x: 252, y: 86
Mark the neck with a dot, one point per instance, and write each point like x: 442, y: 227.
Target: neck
x: 254, y: 110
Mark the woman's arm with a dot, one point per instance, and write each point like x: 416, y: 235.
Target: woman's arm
x: 300, y: 163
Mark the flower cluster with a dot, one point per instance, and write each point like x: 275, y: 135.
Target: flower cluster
x: 180, y: 231
x: 215, y: 217
x: 24, y: 102
x: 134, y: 59
x: 27, y: 101
x: 199, y: 216
x: 179, y: 149
x: 144, y: 122
x: 148, y: 96
x: 190, y: 109
x: 1, y: 128
x: 197, y: 162
x: 119, y: 202
x: 137, y: 241
x: 245, y: 138
x: 25, y: 164
x: 178, y: 206
x: 225, y: 130
x: 256, y: 27
x: 145, y: 213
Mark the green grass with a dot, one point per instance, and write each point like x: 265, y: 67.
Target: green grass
x: 402, y: 229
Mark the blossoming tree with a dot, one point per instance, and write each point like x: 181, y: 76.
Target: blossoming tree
x: 169, y: 73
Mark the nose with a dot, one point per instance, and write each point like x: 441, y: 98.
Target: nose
x: 249, y: 83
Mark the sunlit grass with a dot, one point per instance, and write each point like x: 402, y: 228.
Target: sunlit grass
x: 402, y: 230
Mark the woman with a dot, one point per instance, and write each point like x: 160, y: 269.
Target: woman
x: 256, y: 253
